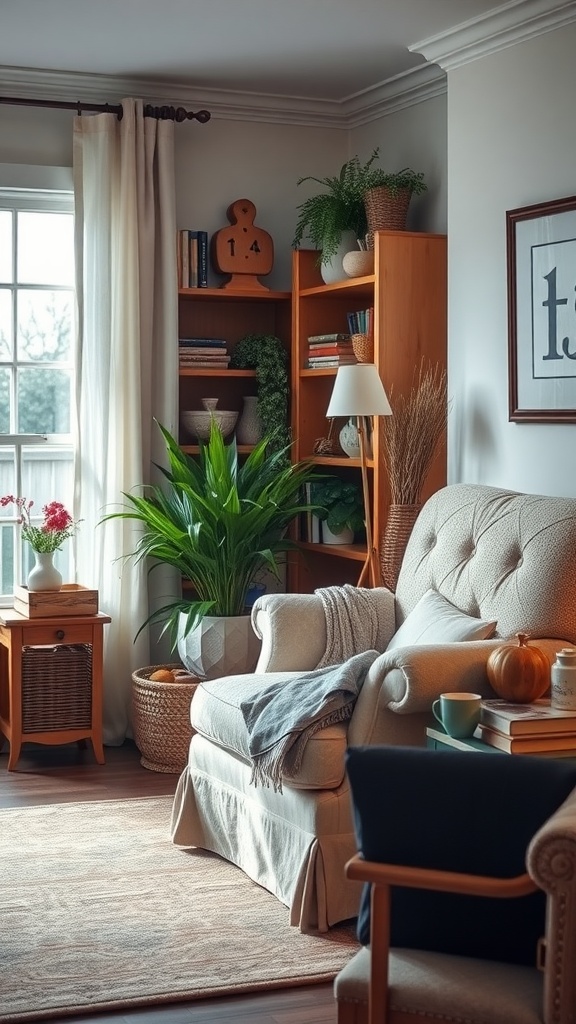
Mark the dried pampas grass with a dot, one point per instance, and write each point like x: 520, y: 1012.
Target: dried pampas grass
x: 410, y: 437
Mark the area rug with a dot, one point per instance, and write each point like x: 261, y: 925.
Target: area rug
x: 99, y: 911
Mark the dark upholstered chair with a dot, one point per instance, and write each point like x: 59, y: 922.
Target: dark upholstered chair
x: 469, y: 906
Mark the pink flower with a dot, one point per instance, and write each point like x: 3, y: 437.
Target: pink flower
x: 49, y: 535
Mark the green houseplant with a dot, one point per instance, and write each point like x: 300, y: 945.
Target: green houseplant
x: 266, y: 354
x: 341, y: 206
x: 217, y: 520
x: 340, y: 504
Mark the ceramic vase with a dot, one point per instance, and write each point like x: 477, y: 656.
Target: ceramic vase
x: 333, y: 270
x: 44, y: 575
x: 249, y: 427
x: 349, y: 440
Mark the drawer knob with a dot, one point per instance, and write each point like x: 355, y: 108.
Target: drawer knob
x: 60, y: 634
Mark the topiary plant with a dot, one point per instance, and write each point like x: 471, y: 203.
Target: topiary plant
x: 266, y: 354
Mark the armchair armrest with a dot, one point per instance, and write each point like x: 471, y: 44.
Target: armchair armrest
x: 405, y: 681
x: 551, y: 861
x: 292, y: 628
x: 394, y: 705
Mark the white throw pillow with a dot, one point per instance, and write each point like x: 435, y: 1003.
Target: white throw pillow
x: 435, y: 621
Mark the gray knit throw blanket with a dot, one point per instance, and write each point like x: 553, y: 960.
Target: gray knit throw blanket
x: 351, y: 622
x: 282, y: 718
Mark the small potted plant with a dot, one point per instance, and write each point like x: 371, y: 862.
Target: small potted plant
x: 325, y: 218
x: 340, y: 509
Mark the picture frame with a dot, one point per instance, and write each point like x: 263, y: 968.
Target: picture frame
x: 541, y: 277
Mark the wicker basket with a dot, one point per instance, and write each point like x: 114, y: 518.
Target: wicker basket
x: 161, y: 720
x: 363, y: 347
x: 56, y: 687
x: 385, y: 210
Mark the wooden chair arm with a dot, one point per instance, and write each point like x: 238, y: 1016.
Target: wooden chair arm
x: 445, y: 881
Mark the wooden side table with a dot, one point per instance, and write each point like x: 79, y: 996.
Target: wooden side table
x: 51, y: 681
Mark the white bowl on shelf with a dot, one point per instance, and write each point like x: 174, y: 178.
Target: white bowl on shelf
x: 197, y: 421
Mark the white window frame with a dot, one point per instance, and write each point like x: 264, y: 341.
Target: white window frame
x: 50, y: 189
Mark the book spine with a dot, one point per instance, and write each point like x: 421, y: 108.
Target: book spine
x: 312, y: 338
x: 330, y: 350
x: 528, y: 745
x: 193, y: 242
x: 185, y: 258
x: 202, y: 259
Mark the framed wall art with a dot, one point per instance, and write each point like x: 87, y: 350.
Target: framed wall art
x: 541, y: 257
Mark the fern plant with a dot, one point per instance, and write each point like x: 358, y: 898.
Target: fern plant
x: 341, y: 208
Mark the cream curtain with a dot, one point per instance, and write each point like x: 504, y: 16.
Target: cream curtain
x: 127, y: 370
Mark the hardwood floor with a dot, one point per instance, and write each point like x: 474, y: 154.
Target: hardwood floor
x: 60, y: 774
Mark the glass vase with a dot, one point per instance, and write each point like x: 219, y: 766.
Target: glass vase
x: 44, y: 575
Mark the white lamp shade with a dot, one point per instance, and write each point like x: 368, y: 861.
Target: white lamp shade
x: 358, y: 391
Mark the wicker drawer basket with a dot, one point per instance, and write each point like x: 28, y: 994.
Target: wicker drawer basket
x: 161, y: 720
x: 56, y: 687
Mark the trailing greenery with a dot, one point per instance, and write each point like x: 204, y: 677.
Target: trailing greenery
x: 217, y: 520
x: 339, y: 503
x: 266, y: 354
x: 341, y: 208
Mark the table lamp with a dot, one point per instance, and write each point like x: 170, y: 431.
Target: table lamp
x: 358, y: 391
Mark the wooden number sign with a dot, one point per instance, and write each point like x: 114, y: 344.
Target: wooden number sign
x: 243, y: 250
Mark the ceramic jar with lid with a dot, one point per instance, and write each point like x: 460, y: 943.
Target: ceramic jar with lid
x: 563, y: 680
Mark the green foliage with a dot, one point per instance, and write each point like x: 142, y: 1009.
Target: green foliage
x: 340, y: 504
x: 266, y: 354
x: 341, y: 207
x: 217, y: 520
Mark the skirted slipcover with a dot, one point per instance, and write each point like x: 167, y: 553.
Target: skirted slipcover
x: 496, y: 555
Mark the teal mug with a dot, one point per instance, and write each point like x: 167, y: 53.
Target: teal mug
x: 459, y: 713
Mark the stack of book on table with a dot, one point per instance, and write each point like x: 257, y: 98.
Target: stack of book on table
x: 535, y: 728
x: 201, y: 353
x: 327, y: 350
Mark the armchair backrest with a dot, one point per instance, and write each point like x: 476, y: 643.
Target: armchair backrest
x: 496, y: 554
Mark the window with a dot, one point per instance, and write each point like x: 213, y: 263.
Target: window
x: 37, y: 352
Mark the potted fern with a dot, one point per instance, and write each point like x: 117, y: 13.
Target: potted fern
x: 218, y: 521
x: 341, y: 208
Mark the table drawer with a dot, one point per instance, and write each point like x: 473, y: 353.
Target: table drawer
x: 59, y: 634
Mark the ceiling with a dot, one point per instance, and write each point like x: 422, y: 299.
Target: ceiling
x: 325, y: 50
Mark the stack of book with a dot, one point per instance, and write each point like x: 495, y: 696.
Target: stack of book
x: 535, y: 728
x: 327, y: 350
x: 192, y: 257
x: 203, y: 353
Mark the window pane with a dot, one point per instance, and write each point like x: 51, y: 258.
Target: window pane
x: 6, y: 275
x: 7, y: 478
x: 6, y: 560
x: 46, y: 248
x: 47, y: 475
x: 43, y: 401
x: 44, y: 325
x: 4, y: 401
x: 5, y: 324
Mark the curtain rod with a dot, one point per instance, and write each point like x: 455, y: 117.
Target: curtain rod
x: 160, y: 113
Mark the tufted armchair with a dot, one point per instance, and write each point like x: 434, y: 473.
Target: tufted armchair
x: 504, y: 560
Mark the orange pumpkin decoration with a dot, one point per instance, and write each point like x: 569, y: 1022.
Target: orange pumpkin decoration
x: 519, y: 673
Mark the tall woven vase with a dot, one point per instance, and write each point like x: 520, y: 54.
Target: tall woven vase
x: 401, y: 519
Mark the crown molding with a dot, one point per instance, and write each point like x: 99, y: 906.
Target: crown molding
x: 360, y: 108
x: 515, y: 22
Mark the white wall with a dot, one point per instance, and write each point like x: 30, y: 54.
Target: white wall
x: 511, y: 143
x: 416, y: 138
x: 222, y: 161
